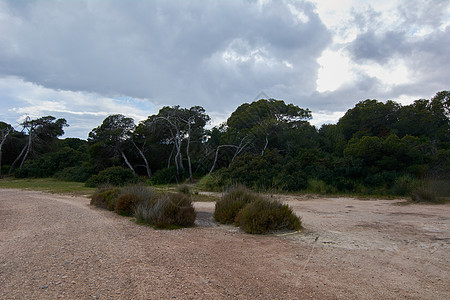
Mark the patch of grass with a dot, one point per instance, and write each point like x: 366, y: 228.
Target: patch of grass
x: 50, y: 185
x: 267, y: 216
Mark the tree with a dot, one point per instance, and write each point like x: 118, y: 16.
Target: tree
x: 265, y: 120
x: 5, y: 130
x: 112, y: 135
x: 178, y: 125
x: 44, y: 130
x: 369, y: 118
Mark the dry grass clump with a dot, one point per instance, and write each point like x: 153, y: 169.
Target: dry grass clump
x: 228, y: 207
x: 264, y: 215
x: 169, y: 211
x: 159, y: 210
x: 254, y: 213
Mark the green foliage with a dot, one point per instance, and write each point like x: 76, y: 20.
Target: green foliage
x: 165, y: 176
x: 50, y: 163
x: 404, y: 185
x: 105, y: 198
x: 184, y: 189
x: 228, y: 207
x: 264, y: 216
x: 79, y: 173
x: 115, y: 176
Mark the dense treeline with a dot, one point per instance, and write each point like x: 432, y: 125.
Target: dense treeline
x: 375, y: 147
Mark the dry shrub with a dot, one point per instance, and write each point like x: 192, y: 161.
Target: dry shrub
x: 169, y: 211
x: 264, y: 216
x: 125, y: 204
x: 228, y: 207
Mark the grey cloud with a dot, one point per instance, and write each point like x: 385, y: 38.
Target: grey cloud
x: 166, y: 51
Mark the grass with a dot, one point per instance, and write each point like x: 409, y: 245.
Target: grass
x: 49, y: 185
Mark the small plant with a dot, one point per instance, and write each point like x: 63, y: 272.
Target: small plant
x: 184, y: 189
x: 231, y: 203
x: 264, y: 216
x: 423, y: 194
x: 105, y: 198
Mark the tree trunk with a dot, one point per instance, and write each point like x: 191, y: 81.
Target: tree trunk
x: 147, y: 167
x: 4, y: 136
x: 191, y: 177
x: 17, y: 159
x: 28, y: 149
x: 127, y: 162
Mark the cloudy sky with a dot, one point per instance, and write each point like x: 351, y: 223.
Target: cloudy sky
x: 83, y: 60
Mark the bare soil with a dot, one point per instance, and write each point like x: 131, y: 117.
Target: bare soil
x: 54, y: 246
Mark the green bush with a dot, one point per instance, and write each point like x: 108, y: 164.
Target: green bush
x: 165, y: 176
x: 184, y: 189
x: 404, y: 185
x: 79, y: 173
x: 105, y: 198
x: 50, y: 163
x: 126, y: 203
x: 115, y: 176
x: 169, y: 211
x: 228, y: 207
x: 263, y: 216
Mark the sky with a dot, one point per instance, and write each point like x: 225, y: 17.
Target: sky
x: 83, y: 60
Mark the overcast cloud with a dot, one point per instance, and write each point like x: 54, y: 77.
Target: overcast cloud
x: 83, y: 60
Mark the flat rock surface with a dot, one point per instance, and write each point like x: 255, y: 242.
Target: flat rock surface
x: 55, y: 246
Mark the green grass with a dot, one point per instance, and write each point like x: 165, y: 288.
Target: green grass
x: 50, y: 185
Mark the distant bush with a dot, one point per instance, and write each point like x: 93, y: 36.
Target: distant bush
x: 115, y: 176
x: 184, y: 189
x: 165, y: 176
x: 264, y: 216
x: 423, y: 194
x: 171, y: 210
x: 50, y: 163
x: 404, y: 185
x: 78, y: 173
x: 228, y: 207
x: 105, y: 198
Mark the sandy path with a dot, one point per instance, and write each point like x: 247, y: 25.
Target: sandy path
x: 58, y: 246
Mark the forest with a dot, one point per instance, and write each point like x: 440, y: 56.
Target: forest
x: 376, y: 148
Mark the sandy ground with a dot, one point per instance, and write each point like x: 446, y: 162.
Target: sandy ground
x: 54, y: 246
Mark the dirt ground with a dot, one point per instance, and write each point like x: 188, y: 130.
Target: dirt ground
x: 54, y: 246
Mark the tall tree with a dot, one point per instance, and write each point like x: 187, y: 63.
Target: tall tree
x: 43, y: 130
x: 112, y: 134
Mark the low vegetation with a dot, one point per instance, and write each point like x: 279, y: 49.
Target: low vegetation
x: 161, y: 210
x: 264, y: 215
x: 255, y: 214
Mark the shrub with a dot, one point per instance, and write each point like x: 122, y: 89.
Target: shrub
x: 423, y: 194
x: 165, y: 176
x: 231, y: 203
x: 126, y: 203
x: 404, y: 185
x: 78, y: 173
x: 105, y: 198
x: 171, y: 210
x: 184, y: 189
x: 115, y: 176
x: 263, y: 216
